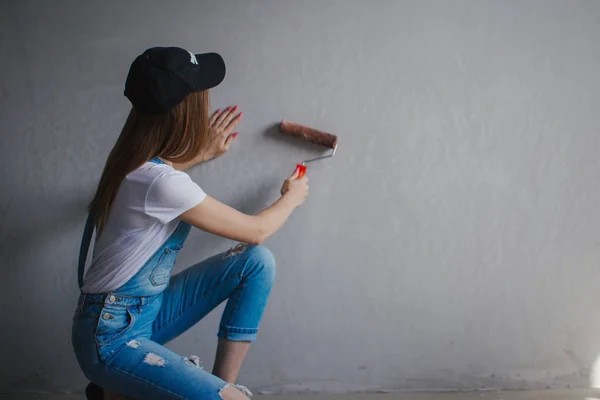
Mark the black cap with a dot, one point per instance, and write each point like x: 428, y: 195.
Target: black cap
x: 161, y: 77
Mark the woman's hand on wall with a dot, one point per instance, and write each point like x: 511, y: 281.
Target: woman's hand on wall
x: 221, y: 127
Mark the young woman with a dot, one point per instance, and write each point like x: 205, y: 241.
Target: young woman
x: 143, y: 210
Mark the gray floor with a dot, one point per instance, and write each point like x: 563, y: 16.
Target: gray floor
x: 531, y: 395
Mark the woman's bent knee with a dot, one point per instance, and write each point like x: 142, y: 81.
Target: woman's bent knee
x: 262, y: 257
x: 262, y: 254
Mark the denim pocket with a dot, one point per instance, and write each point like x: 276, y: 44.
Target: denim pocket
x: 114, y: 322
x: 162, y: 271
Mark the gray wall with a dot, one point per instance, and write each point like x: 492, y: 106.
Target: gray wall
x: 453, y: 242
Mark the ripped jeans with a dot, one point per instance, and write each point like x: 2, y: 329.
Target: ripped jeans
x: 118, y: 337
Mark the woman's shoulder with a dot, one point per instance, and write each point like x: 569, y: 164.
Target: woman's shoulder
x: 166, y: 188
x: 162, y: 181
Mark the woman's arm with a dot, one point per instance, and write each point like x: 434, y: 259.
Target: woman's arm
x: 215, y: 217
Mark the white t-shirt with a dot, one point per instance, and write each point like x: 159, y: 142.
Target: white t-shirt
x: 143, y: 215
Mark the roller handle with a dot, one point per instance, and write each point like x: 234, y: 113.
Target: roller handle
x: 301, y: 168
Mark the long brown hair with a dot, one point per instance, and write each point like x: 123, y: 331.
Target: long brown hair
x: 179, y: 136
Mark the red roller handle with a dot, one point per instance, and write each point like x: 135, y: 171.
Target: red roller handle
x: 301, y: 168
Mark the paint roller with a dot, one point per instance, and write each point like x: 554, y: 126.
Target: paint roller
x: 311, y: 135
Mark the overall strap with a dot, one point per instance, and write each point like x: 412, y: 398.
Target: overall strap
x: 88, y: 231
x: 157, y: 160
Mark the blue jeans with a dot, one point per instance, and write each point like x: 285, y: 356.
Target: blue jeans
x: 118, y: 337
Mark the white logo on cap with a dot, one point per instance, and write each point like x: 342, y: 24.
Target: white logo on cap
x: 193, y: 58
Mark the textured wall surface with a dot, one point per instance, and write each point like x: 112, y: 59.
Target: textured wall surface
x: 453, y: 242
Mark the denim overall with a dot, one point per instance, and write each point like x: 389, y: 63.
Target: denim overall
x: 118, y: 337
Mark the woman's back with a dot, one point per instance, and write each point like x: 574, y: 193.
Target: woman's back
x: 143, y: 215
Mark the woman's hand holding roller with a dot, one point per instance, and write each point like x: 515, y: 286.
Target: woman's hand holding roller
x: 296, y: 189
